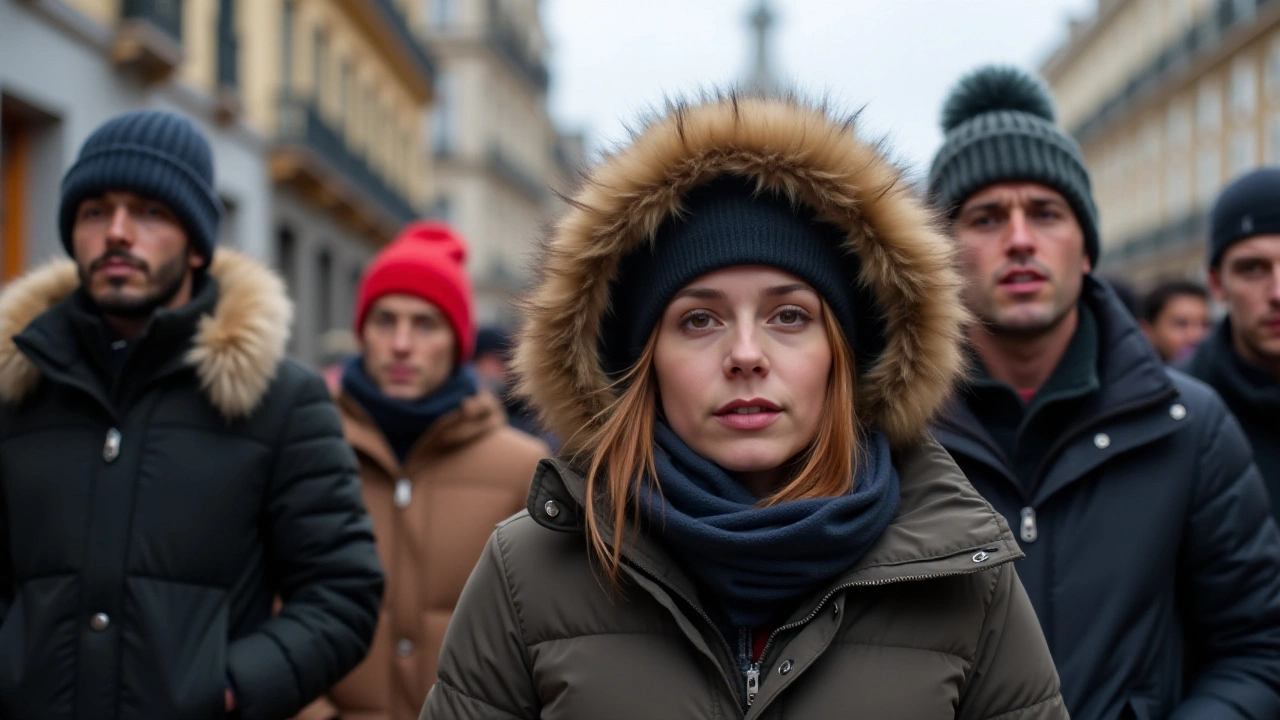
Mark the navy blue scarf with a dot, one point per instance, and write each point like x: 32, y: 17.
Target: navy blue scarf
x: 758, y: 562
x: 403, y: 422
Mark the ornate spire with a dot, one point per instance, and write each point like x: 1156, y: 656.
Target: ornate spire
x: 761, y: 77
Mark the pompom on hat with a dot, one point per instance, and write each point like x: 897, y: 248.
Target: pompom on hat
x: 426, y: 261
x: 1000, y: 126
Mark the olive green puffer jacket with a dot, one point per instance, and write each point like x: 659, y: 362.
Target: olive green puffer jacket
x: 931, y: 623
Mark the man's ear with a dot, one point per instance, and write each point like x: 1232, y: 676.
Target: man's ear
x: 1088, y: 264
x: 195, y: 260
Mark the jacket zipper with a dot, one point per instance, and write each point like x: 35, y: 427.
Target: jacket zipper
x: 752, y: 675
x: 753, y: 682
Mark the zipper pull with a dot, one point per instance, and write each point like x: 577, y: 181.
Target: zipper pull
x: 404, y: 493
x: 753, y: 683
x: 1029, y: 531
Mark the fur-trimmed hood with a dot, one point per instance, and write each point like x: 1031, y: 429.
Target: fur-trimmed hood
x: 236, y: 350
x: 806, y: 154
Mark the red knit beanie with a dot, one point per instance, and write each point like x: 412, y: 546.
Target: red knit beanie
x: 426, y: 261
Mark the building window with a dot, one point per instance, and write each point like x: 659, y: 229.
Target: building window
x: 1244, y: 152
x: 346, y: 109
x: 1178, y: 192
x: 319, y: 52
x: 1273, y: 67
x: 286, y: 44
x: 1179, y: 124
x: 1244, y: 88
x: 1208, y: 173
x: 287, y: 259
x: 15, y: 183
x: 443, y: 209
x: 1245, y: 10
x: 324, y: 290
x: 445, y: 120
x: 367, y: 120
x: 1180, y: 12
x: 1273, y: 141
x: 1209, y: 107
x: 444, y: 13
x: 228, y: 230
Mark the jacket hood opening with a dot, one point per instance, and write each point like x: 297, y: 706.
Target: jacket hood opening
x: 236, y: 350
x: 803, y: 152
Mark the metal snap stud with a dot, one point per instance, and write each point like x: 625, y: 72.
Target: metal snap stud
x: 1102, y: 441
x: 1177, y: 411
x: 551, y: 508
x: 785, y: 667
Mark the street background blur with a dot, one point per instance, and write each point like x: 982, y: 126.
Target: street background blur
x: 334, y: 122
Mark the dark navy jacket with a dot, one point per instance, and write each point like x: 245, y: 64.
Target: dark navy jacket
x: 1151, y: 556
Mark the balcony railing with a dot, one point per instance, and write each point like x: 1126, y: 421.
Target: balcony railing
x: 513, y: 174
x: 1198, y: 40
x: 164, y: 14
x: 228, y: 46
x: 508, y: 44
x: 302, y: 123
x: 393, y: 16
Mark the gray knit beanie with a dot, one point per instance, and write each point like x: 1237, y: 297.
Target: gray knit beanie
x: 999, y: 125
x: 158, y: 155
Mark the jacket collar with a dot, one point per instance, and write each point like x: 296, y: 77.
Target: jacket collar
x: 1249, y: 390
x: 235, y: 350
x: 478, y: 416
x: 1132, y: 378
x: 941, y: 526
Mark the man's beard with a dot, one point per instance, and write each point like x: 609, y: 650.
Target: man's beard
x: 166, y: 282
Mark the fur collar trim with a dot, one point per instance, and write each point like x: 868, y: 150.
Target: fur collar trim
x: 236, y: 350
x: 800, y: 150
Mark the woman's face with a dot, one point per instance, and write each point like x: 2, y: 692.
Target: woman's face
x: 742, y: 362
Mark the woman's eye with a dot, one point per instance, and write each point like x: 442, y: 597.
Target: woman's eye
x: 698, y: 321
x: 792, y: 316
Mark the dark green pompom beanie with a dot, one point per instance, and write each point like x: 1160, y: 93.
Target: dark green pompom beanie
x: 999, y: 125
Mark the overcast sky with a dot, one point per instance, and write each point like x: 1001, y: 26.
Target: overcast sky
x: 611, y: 59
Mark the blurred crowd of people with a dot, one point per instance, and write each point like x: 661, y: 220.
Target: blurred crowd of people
x: 780, y: 435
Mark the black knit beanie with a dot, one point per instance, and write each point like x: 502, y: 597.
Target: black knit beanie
x: 726, y: 223
x: 999, y: 125
x: 1248, y: 207
x: 158, y: 155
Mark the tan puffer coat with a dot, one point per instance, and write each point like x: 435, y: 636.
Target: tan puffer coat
x: 931, y: 623
x: 431, y: 517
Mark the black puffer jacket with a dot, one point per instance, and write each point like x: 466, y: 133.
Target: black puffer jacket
x: 1252, y: 396
x: 1151, y: 557
x: 145, y: 528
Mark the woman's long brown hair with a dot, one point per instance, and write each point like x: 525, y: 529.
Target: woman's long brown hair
x: 623, y: 445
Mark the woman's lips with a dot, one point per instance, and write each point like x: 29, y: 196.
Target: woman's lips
x: 749, y: 421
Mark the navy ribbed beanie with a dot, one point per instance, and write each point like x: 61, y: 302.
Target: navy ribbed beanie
x: 158, y: 155
x: 726, y: 223
x: 999, y: 125
x: 1248, y: 207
